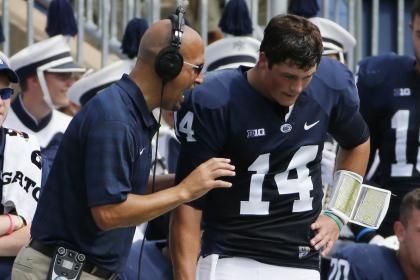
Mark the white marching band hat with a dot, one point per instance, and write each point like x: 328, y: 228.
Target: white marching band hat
x: 85, y: 88
x: 231, y: 52
x: 5, y: 68
x: 335, y: 38
x: 51, y: 55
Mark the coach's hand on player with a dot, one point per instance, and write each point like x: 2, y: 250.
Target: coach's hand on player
x: 327, y: 233
x: 205, y: 177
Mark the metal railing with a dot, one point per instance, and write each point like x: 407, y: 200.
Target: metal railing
x: 355, y: 26
x: 105, y: 20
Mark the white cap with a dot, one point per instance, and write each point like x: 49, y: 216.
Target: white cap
x: 52, y: 54
x: 85, y: 88
x: 335, y: 38
x: 231, y: 52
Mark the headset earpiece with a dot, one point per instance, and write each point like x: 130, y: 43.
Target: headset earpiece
x: 169, y: 61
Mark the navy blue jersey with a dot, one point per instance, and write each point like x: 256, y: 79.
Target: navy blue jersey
x: 389, y: 90
x: 364, y: 262
x: 277, y: 191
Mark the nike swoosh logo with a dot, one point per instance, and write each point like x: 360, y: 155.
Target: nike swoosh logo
x: 141, y: 151
x: 309, y: 126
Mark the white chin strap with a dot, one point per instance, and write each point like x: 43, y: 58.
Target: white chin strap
x: 330, y: 48
x: 43, y: 83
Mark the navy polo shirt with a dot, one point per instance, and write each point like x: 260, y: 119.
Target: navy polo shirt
x: 105, y: 155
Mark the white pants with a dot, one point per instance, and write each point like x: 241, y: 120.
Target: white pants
x: 213, y: 268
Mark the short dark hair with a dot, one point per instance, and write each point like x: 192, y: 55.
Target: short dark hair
x: 294, y: 38
x: 415, y: 9
x: 410, y: 202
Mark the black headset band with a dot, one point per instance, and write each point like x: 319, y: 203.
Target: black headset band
x: 178, y: 23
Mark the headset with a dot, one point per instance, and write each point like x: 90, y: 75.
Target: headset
x: 169, y: 61
x: 168, y: 64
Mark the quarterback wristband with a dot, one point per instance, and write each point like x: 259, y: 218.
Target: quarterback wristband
x: 358, y: 203
x: 335, y: 218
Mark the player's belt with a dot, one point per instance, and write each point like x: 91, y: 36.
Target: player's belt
x: 88, y: 267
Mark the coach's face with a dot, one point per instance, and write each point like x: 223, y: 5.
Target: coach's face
x: 4, y: 97
x: 284, y: 82
x: 192, y: 50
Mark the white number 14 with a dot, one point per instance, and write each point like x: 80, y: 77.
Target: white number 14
x: 302, y: 184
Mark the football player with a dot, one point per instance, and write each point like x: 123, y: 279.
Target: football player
x: 365, y: 261
x: 271, y: 120
x: 389, y: 86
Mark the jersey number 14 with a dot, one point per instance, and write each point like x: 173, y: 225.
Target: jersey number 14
x: 302, y: 184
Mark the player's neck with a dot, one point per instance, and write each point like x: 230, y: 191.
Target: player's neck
x: 409, y: 271
x: 255, y: 80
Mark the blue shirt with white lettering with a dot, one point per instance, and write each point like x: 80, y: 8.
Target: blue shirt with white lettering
x: 389, y: 89
x: 105, y: 154
x: 277, y: 190
x: 364, y: 262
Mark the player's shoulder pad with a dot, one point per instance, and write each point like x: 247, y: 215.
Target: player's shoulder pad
x: 375, y: 70
x: 360, y: 251
x: 217, y: 89
x: 333, y: 74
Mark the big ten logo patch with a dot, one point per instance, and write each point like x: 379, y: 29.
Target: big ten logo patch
x: 252, y: 133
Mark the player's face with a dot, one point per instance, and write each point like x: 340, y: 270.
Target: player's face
x: 415, y: 34
x: 409, y: 238
x: 4, y: 103
x: 286, y: 81
x: 58, y: 85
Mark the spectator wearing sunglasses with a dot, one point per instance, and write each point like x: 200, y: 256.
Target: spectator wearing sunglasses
x: 21, y: 177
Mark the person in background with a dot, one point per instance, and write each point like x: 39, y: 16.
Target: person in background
x: 46, y: 71
x: 365, y: 261
x: 20, y: 167
x: 388, y: 87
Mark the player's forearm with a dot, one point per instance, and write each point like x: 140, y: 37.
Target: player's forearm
x: 355, y: 159
x: 12, y: 243
x: 184, y: 241
x: 137, y: 209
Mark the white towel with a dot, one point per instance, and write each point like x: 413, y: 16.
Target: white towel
x: 21, y: 174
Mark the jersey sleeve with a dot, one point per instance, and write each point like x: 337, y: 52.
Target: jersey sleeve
x: 200, y: 127
x: 109, y: 152
x: 347, y: 124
